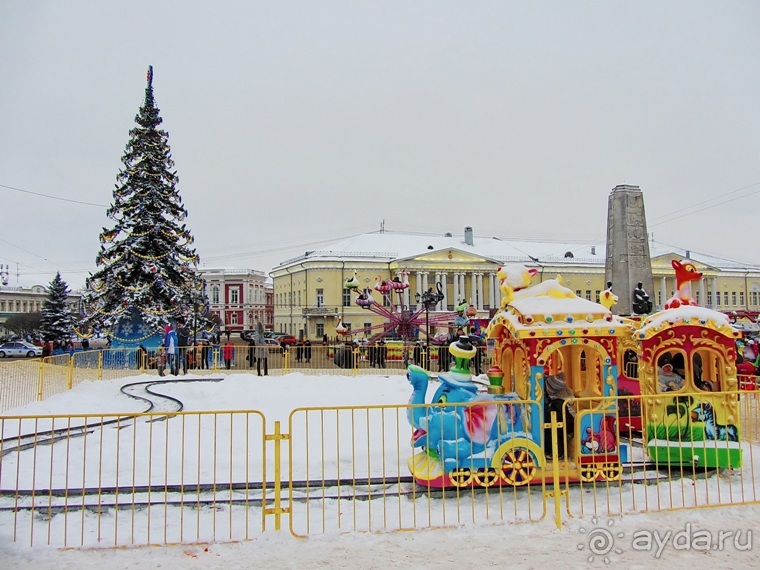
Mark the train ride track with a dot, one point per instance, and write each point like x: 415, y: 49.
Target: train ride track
x: 129, y: 497
x: 143, y: 391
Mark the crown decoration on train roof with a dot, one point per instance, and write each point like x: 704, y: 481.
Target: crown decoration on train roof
x: 549, y: 309
x: 687, y: 315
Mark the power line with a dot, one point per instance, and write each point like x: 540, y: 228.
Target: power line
x: 52, y: 197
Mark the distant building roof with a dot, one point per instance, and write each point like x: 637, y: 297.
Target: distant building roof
x: 390, y: 246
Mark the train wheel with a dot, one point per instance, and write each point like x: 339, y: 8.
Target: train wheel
x: 612, y: 471
x: 487, y: 477
x: 461, y: 477
x: 589, y: 472
x: 518, y: 466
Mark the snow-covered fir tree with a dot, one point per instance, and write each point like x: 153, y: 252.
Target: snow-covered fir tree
x: 147, y: 266
x: 57, y: 322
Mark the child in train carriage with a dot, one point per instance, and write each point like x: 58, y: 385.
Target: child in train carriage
x: 667, y: 379
x: 556, y: 393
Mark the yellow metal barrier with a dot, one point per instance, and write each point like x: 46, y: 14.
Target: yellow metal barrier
x: 20, y: 383
x: 646, y: 482
x: 159, y: 478
x: 71, y: 481
x: 349, y: 471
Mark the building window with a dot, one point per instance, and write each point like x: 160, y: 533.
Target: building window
x: 696, y: 297
x: 598, y: 294
x: 320, y: 330
x: 709, y: 298
x: 717, y: 299
x: 346, y: 297
x: 386, y: 301
x: 741, y: 298
x: 725, y: 297
x: 588, y: 294
x: 234, y: 295
x: 578, y: 293
x: 234, y: 319
x: 320, y: 299
x: 215, y: 294
x: 367, y: 329
x: 733, y: 298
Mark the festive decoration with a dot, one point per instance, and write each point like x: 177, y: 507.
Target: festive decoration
x: 146, y: 270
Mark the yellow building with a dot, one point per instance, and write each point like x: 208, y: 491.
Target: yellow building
x: 310, y: 295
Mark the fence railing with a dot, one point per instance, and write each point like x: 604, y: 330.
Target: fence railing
x: 187, y: 477
x: 27, y: 381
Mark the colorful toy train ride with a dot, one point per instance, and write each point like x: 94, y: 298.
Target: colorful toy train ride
x: 554, y: 351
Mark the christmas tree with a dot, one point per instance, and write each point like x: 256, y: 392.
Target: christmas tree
x: 147, y: 273
x: 56, y: 322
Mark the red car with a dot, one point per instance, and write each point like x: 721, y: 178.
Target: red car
x: 287, y: 339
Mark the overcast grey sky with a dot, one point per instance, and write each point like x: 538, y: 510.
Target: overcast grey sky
x: 296, y: 122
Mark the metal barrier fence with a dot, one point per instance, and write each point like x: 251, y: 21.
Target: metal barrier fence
x: 187, y: 477
x: 133, y: 480
x: 25, y: 381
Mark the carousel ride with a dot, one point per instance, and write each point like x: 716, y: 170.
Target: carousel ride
x: 399, y: 320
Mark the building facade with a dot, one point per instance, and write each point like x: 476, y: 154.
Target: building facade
x: 239, y: 298
x: 19, y: 300
x: 311, y: 297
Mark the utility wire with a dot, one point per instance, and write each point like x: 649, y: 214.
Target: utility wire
x: 52, y: 197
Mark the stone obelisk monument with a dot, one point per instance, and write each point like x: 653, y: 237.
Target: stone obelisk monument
x: 628, y: 260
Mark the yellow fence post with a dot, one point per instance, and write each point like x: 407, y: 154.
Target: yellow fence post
x: 357, y: 358
x: 286, y: 360
x: 70, y: 373
x: 40, y: 378
x: 100, y: 364
x: 556, y: 492
x: 277, y: 509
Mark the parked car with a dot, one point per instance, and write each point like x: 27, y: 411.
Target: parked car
x: 287, y: 339
x: 19, y: 348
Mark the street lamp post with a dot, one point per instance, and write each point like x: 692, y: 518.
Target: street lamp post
x: 198, y: 296
x: 429, y: 300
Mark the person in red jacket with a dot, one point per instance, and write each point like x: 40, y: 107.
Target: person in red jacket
x: 746, y: 372
x: 228, y: 353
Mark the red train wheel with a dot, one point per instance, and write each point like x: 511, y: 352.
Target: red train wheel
x: 518, y: 466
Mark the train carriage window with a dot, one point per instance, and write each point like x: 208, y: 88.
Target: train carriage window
x: 708, y: 370
x: 522, y: 375
x: 671, y: 372
x: 631, y: 364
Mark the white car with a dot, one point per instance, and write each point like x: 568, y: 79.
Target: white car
x: 19, y: 348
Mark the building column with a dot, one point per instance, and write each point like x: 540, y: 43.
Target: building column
x: 702, y: 297
x: 425, y: 285
x: 714, y: 287
x: 420, y: 288
x: 492, y: 303
x: 480, y: 292
x: 664, y: 291
x: 455, y: 288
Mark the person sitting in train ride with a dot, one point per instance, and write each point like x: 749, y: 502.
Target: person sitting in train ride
x: 743, y: 366
x: 556, y: 393
x: 668, y: 380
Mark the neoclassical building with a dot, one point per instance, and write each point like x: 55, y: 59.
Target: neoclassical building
x: 239, y: 298
x: 310, y: 295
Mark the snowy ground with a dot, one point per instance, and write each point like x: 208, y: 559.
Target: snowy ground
x: 689, y: 537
